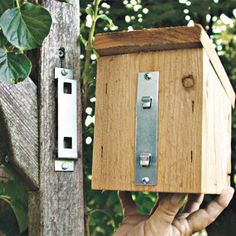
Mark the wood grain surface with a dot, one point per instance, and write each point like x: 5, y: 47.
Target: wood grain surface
x: 216, y: 132
x: 179, y: 126
x: 218, y: 67
x: 163, y: 39
x: 148, y: 40
x: 193, y: 128
x: 19, y: 129
x: 60, y: 210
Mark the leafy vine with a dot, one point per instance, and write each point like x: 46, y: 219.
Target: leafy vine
x: 93, y: 16
x: 23, y: 27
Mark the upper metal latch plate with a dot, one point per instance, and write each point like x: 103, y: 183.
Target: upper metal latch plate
x: 67, y: 114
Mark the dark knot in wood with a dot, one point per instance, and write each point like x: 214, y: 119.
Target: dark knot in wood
x: 188, y: 81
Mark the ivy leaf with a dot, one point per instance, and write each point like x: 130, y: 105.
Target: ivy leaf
x: 8, y: 223
x: 108, y: 20
x: 16, y: 196
x: 27, y: 26
x: 5, y: 4
x: 19, y: 208
x: 3, y: 40
x: 13, y: 66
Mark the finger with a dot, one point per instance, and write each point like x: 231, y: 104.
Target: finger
x: 128, y: 204
x: 193, y: 204
x: 202, y: 218
x: 159, y: 197
x: 166, y: 211
x: 156, y: 204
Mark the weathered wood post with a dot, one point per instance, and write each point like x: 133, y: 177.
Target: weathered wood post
x: 28, y: 120
x: 61, y: 193
x: 19, y: 129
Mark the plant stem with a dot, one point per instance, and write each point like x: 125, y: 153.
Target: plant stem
x: 89, y: 49
x: 17, y: 4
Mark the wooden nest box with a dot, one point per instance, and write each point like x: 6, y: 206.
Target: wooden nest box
x: 163, y: 112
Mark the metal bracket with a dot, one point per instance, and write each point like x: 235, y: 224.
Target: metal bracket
x: 67, y: 116
x: 146, y: 128
x: 64, y: 165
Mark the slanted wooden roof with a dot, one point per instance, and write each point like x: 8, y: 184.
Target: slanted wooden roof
x: 163, y: 39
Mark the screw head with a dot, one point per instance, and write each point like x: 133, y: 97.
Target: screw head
x: 61, y: 53
x: 145, y: 180
x: 64, y: 72
x: 64, y: 166
x: 147, y: 76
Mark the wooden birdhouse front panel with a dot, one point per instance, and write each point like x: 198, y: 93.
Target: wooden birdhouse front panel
x: 192, y: 119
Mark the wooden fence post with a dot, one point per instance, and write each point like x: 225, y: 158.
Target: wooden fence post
x: 19, y: 129
x: 60, y: 208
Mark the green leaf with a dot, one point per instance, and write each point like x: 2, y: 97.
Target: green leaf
x: 108, y: 20
x: 21, y: 215
x: 83, y: 40
x: 5, y: 198
x: 8, y: 222
x: 3, y: 40
x: 89, y: 10
x: 15, y: 194
x: 5, y: 4
x: 27, y: 26
x: 14, y: 67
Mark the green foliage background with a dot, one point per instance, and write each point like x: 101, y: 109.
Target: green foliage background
x: 103, y: 210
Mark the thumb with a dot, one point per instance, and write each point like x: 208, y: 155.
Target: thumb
x: 165, y: 213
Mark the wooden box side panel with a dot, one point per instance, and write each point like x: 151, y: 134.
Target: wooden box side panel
x: 216, y: 146
x: 179, y: 131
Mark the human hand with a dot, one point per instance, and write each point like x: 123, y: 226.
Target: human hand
x: 164, y: 220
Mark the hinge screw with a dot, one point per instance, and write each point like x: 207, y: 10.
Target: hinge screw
x: 64, y: 166
x: 145, y: 180
x: 64, y: 72
x: 61, y: 53
x: 147, y: 76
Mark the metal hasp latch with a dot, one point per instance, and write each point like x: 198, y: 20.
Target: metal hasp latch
x: 146, y: 128
x: 146, y: 102
x: 145, y: 159
x: 67, y: 119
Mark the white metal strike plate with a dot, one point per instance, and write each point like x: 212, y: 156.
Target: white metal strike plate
x: 64, y: 165
x: 67, y: 114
